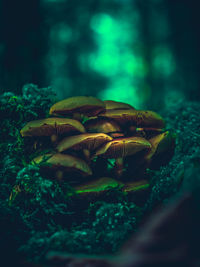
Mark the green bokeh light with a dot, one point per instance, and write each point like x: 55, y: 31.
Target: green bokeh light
x: 121, y: 90
x: 163, y: 61
x: 121, y: 57
x: 115, y: 58
x: 103, y: 24
x: 61, y: 33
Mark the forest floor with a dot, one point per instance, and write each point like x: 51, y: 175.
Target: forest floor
x: 43, y: 219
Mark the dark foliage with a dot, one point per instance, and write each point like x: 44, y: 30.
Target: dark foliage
x: 183, y: 119
x: 38, y: 215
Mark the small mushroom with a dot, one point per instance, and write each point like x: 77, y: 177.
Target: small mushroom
x: 135, y: 186
x: 103, y: 125
x: 66, y: 163
x: 52, y: 126
x: 138, y: 118
x: 110, y: 104
x: 123, y: 147
x: 87, y: 105
x: 146, y: 132
x: 97, y: 187
x: 90, y: 141
x: 162, y: 148
x: 120, y: 148
x: 137, y: 191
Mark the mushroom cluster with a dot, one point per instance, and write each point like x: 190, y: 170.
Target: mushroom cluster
x: 97, y: 145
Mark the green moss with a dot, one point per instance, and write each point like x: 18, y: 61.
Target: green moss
x: 47, y: 218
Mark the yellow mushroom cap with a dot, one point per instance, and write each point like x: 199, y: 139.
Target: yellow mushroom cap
x: 90, y: 141
x: 98, y: 186
x: 63, y: 161
x: 110, y: 104
x: 123, y: 147
x: 135, y: 186
x: 161, y: 143
x: 139, y: 118
x: 50, y: 126
x: 88, y: 105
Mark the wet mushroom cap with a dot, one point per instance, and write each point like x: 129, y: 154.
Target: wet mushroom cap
x: 137, y: 191
x: 146, y: 132
x: 161, y: 143
x: 139, y: 118
x: 135, y: 186
x: 123, y: 147
x: 50, y: 126
x: 102, y: 125
x: 98, y: 186
x: 110, y: 104
x: 90, y: 141
x: 146, y: 129
x: 63, y: 161
x: 87, y: 105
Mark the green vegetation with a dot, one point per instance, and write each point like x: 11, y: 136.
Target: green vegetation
x: 38, y: 214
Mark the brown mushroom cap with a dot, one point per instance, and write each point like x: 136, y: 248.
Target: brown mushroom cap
x: 64, y: 162
x: 161, y: 143
x: 135, y: 186
x: 137, y: 191
x: 88, y: 105
x: 50, y: 126
x: 146, y: 132
x: 102, y: 125
x: 110, y: 104
x: 98, y: 186
x: 90, y: 141
x: 139, y: 118
x: 123, y: 147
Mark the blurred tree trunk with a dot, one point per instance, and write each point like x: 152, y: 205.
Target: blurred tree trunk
x: 22, y: 44
x: 185, y: 21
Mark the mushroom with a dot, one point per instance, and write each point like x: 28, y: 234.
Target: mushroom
x: 123, y: 147
x: 146, y: 132
x: 64, y: 163
x: 86, y: 105
x: 135, y: 186
x: 120, y: 148
x: 103, y: 125
x: 97, y: 187
x: 110, y: 104
x: 88, y: 142
x: 137, y: 191
x: 113, y: 131
x: 52, y: 127
x: 138, y: 118
x: 162, y: 148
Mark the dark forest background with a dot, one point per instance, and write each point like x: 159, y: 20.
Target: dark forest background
x: 146, y: 53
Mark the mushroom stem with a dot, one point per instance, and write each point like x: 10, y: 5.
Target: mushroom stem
x: 77, y: 116
x: 119, y: 164
x: 86, y: 153
x: 59, y: 175
x: 54, y: 138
